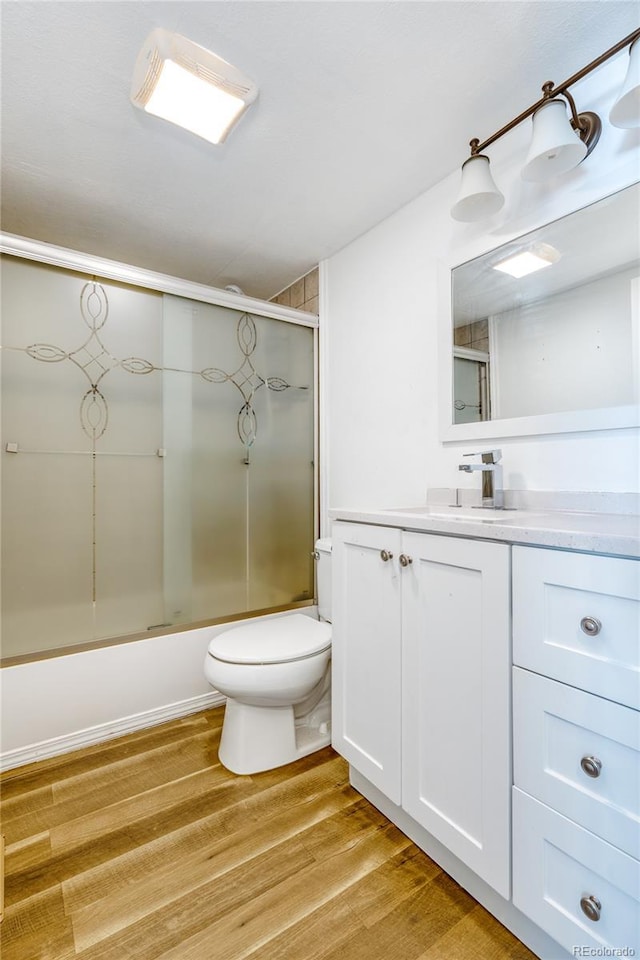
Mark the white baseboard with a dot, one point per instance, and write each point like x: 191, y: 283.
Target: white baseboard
x: 107, y: 731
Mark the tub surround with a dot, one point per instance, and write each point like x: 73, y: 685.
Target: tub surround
x: 595, y: 523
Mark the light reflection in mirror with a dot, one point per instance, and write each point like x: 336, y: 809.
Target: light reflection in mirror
x: 563, y: 338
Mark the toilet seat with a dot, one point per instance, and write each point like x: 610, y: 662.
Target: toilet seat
x: 280, y: 640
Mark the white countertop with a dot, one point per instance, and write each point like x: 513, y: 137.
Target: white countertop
x: 607, y: 533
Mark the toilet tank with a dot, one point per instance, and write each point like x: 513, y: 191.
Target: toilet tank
x: 322, y: 555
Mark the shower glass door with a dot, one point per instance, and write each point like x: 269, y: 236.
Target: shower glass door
x: 470, y: 389
x: 157, y: 460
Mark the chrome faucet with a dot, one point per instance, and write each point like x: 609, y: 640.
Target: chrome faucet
x: 492, y: 492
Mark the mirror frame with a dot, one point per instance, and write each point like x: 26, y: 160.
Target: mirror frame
x: 571, y: 421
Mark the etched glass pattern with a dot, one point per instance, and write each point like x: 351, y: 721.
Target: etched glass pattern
x: 157, y: 460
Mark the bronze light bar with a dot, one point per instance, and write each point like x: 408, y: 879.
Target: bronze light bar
x: 550, y: 91
x: 559, y: 143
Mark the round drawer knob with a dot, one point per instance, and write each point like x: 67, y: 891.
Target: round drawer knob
x: 591, y: 626
x: 591, y: 766
x: 385, y: 555
x: 591, y: 907
x: 405, y: 560
x: 315, y: 554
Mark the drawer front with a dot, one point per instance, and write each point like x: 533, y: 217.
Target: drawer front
x: 576, y: 618
x: 579, y: 754
x: 557, y: 865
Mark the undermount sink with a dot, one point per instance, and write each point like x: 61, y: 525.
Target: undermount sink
x: 478, y: 514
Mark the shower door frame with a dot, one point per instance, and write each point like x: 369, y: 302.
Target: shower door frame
x: 67, y: 259
x: 485, y: 389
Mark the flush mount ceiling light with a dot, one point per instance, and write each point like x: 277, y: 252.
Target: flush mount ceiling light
x: 560, y: 141
x: 528, y: 261
x: 181, y: 82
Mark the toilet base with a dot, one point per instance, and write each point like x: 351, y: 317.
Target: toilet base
x: 255, y: 739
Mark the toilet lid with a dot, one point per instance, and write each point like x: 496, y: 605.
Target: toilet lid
x: 272, y: 641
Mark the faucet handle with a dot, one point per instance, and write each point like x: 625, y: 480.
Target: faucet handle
x: 488, y: 456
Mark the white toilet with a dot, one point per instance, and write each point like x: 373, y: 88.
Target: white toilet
x: 276, y: 676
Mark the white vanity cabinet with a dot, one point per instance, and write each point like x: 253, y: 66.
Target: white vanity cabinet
x: 486, y: 693
x: 421, y: 682
x: 576, y: 701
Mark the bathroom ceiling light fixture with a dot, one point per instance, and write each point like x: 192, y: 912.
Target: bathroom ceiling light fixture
x: 184, y: 83
x: 528, y: 261
x: 561, y: 140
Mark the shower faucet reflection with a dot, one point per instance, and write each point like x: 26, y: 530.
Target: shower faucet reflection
x: 492, y: 492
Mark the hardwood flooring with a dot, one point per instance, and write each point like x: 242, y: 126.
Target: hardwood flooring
x: 145, y: 847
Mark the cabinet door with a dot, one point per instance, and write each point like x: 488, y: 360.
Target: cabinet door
x: 456, y: 683
x: 366, y: 652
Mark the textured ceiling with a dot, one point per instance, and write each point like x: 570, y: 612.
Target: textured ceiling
x: 362, y: 106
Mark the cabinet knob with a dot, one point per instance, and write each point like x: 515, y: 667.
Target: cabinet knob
x: 385, y: 555
x: 591, y: 907
x: 591, y: 766
x: 315, y: 554
x: 591, y: 626
x: 405, y: 560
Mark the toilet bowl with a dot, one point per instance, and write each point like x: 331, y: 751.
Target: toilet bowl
x: 276, y: 676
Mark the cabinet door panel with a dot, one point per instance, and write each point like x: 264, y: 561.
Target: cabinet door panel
x: 366, y: 652
x: 456, y: 742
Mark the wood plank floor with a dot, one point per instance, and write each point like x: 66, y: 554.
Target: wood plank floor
x: 145, y: 847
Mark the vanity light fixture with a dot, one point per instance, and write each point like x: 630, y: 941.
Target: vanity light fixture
x: 625, y: 112
x: 184, y: 83
x: 560, y: 140
x: 528, y: 261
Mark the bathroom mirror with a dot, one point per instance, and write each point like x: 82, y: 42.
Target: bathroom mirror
x: 544, y: 329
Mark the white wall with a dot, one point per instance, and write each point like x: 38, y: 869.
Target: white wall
x: 557, y: 354
x: 380, y: 317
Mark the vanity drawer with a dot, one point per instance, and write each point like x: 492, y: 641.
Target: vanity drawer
x: 579, y: 754
x: 557, y: 865
x: 576, y: 617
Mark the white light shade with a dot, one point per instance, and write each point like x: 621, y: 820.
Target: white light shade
x: 179, y: 81
x: 626, y: 110
x: 555, y: 145
x: 479, y: 197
